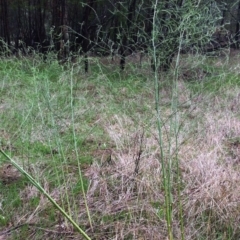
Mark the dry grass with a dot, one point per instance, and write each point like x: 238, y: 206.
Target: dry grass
x: 127, y: 189
x: 125, y: 194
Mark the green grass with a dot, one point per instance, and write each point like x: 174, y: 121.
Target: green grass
x: 94, y: 137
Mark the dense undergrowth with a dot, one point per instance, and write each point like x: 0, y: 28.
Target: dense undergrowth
x: 91, y: 141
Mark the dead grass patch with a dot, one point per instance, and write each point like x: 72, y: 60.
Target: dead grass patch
x: 210, y: 194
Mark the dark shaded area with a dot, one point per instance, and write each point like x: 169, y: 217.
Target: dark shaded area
x: 105, y: 27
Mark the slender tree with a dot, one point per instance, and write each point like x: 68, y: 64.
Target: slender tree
x: 5, y: 33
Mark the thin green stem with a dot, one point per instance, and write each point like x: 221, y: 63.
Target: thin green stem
x: 176, y: 130
x: 42, y: 190
x: 165, y: 174
x: 77, y: 155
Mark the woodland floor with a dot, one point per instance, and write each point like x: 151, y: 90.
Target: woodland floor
x: 97, y: 134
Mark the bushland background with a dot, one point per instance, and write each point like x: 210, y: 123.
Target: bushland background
x: 119, y: 120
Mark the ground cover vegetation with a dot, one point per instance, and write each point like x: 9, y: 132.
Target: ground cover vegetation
x: 98, y: 143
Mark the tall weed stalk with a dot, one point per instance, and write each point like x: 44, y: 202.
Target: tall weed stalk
x: 166, y: 173
x: 43, y: 191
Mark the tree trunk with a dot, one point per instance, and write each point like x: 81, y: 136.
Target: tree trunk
x: 237, y: 33
x: 5, y: 28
